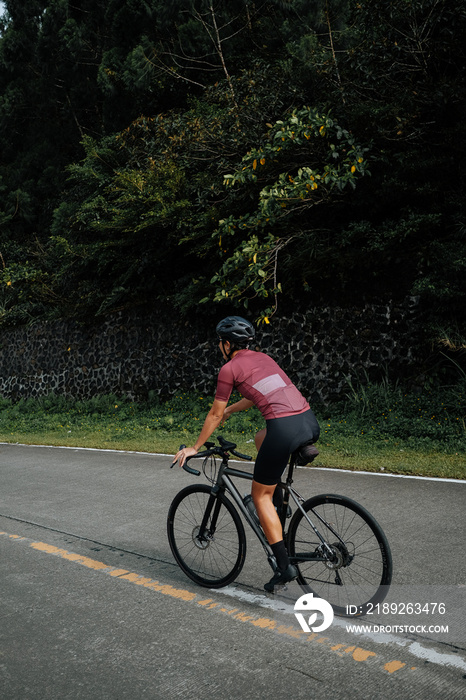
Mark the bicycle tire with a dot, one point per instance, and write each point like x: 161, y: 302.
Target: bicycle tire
x: 361, y: 572
x: 217, y: 560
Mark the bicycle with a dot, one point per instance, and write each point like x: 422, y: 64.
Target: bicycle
x: 339, y: 549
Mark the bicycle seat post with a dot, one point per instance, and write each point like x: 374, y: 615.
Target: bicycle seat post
x: 291, y: 465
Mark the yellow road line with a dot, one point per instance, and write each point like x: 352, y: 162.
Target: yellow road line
x: 356, y: 653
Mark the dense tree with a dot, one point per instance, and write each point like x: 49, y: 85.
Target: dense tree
x: 405, y: 75
x: 228, y: 141
x: 53, y: 55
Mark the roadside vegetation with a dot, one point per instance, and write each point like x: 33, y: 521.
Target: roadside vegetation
x: 377, y: 428
x: 275, y: 154
x: 243, y: 157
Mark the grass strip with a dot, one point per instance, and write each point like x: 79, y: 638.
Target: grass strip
x: 398, y: 441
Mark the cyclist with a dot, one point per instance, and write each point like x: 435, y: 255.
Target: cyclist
x: 290, y: 424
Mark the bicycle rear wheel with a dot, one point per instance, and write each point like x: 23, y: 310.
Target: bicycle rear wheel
x: 215, y: 557
x: 358, y: 571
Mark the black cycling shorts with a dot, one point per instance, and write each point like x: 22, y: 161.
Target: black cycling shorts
x: 284, y: 436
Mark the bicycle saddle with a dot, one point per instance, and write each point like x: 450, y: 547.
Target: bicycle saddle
x: 305, y: 454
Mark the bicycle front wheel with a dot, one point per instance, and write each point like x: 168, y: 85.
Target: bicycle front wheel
x: 214, y: 557
x: 353, y: 573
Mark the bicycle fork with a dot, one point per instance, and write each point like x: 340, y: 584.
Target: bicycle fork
x: 206, y: 533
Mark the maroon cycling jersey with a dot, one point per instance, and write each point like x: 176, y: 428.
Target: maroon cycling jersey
x: 258, y: 378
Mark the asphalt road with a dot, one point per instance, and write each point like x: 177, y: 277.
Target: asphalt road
x: 93, y: 606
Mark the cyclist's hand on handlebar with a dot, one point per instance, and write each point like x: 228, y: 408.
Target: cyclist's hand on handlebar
x: 183, y: 454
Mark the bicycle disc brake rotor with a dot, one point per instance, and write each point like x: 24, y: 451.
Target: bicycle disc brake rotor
x: 342, y: 556
x: 200, y: 543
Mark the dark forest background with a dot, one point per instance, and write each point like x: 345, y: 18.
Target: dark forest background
x: 258, y: 155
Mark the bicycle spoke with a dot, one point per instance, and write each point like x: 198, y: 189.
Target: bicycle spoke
x: 359, y: 567
x: 215, y: 556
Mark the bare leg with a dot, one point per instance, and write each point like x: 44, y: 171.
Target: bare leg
x: 262, y: 496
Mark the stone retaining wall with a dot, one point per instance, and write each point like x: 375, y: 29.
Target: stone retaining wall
x: 138, y: 355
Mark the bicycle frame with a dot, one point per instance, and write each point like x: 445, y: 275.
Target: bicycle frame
x: 298, y: 499
x: 332, y: 540
x: 224, y: 483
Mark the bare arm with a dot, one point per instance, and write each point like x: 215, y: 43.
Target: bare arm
x: 241, y: 405
x: 211, y: 423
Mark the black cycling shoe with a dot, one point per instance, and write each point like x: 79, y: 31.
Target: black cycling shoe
x: 281, y: 576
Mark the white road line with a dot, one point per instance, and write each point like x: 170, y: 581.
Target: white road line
x: 163, y: 454
x: 257, y: 599
x: 414, y: 648
x: 395, y: 476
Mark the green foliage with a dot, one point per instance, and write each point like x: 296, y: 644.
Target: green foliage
x: 122, y: 236
x: 306, y: 158
x: 196, y: 173
x: 182, y: 413
x: 139, y: 197
x: 380, y: 427
x: 431, y: 417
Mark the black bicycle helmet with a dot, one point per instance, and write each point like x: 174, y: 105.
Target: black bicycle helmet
x: 236, y: 329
